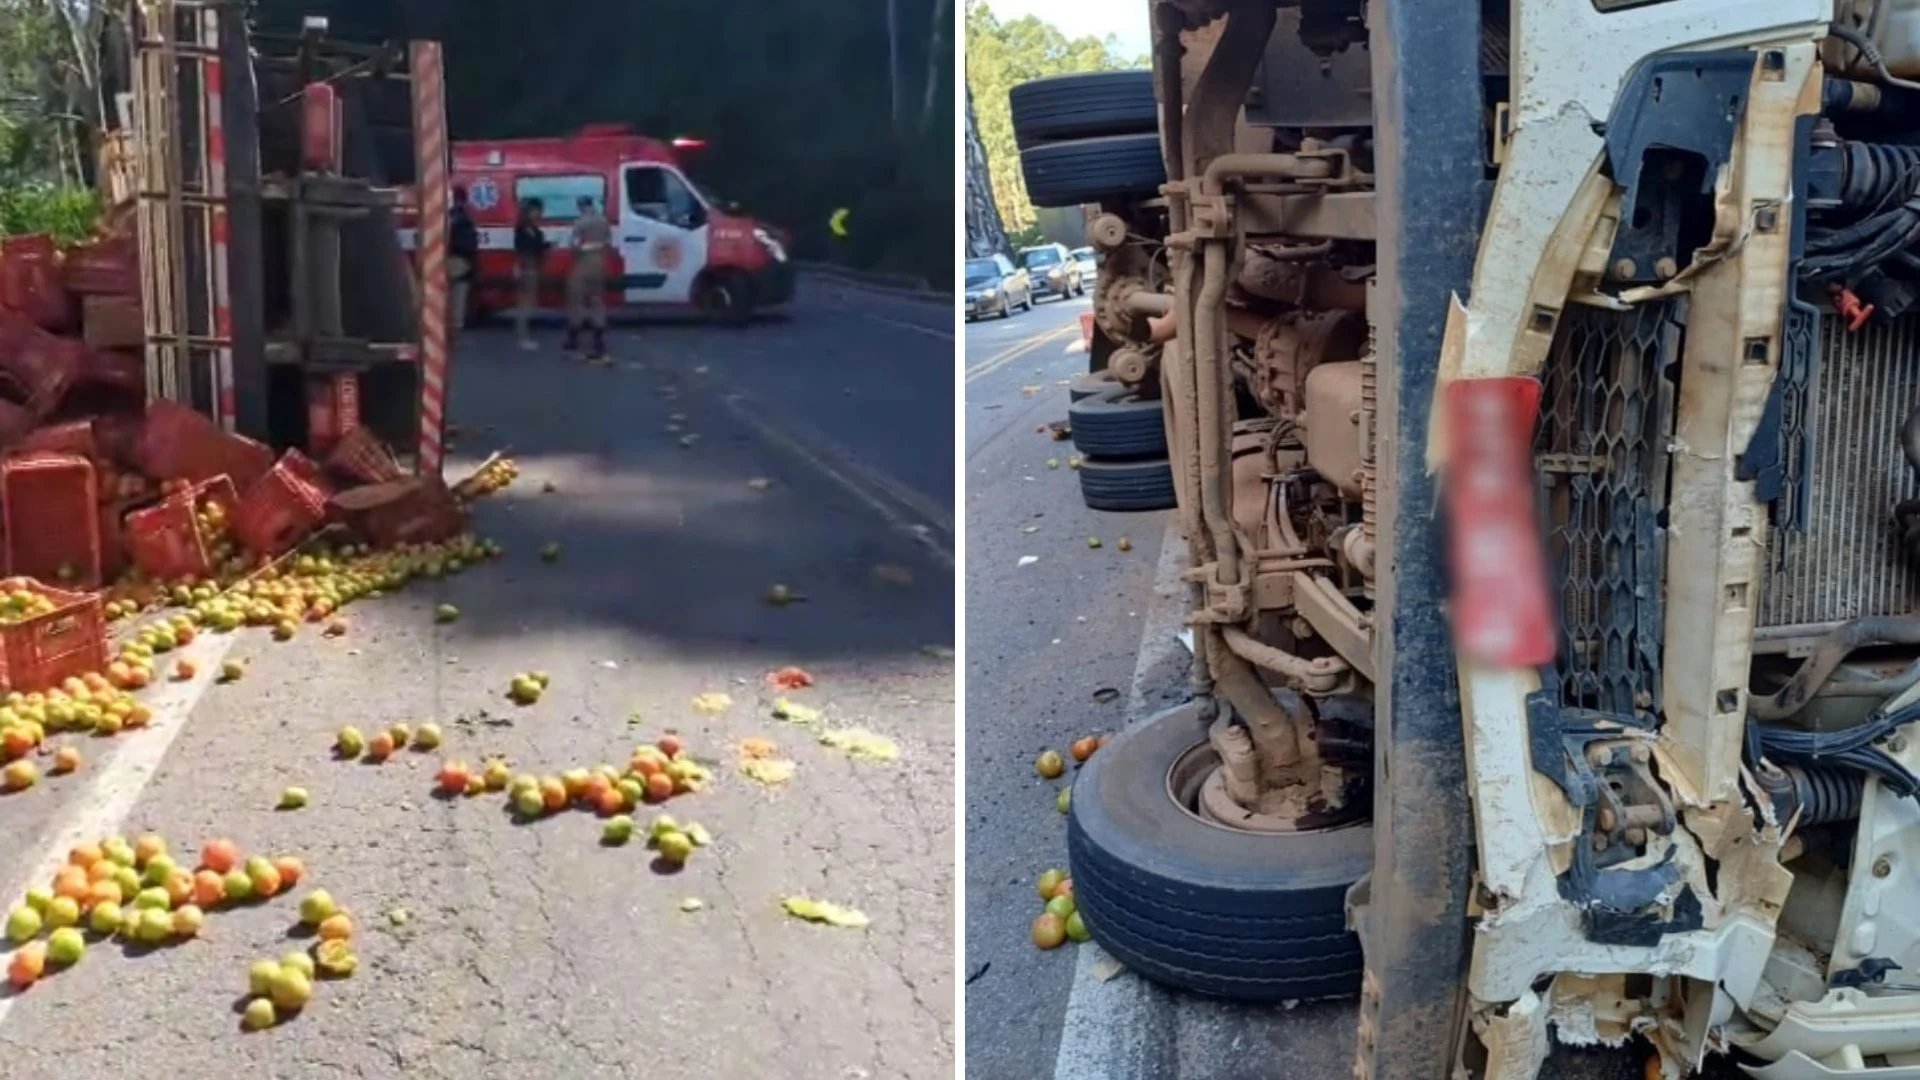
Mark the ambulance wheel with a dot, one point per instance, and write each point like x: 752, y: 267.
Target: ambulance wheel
x: 725, y: 298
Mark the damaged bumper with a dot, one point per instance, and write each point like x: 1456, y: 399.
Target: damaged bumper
x: 1646, y: 864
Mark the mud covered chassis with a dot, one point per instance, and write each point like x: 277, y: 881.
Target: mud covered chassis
x: 1484, y: 921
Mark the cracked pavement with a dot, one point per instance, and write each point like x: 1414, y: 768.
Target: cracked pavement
x: 531, y: 946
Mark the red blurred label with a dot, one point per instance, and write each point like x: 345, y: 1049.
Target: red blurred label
x: 333, y: 410
x: 1502, y: 609
x: 320, y: 128
x: 346, y: 390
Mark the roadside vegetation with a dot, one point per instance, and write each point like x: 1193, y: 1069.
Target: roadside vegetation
x: 1001, y: 55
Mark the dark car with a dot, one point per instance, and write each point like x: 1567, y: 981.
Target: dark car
x: 995, y: 287
x: 1054, y: 272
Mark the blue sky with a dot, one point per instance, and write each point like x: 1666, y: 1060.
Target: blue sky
x: 1123, y: 19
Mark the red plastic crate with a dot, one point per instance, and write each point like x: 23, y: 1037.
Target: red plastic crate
x: 416, y: 510
x: 117, y: 435
x: 46, y: 650
x: 30, y: 282
x: 361, y: 456
x: 282, y: 507
x: 124, y: 370
x: 102, y: 267
x: 43, y: 365
x: 50, y: 505
x: 15, y: 423
x: 177, y: 443
x: 75, y: 438
x: 164, y: 540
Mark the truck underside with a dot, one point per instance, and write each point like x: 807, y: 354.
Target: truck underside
x: 1673, y: 417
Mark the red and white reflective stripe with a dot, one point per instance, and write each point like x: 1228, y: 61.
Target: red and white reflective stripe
x: 430, y: 150
x: 1502, y: 606
x: 226, y: 411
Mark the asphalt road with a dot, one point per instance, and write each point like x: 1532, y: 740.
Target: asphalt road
x: 531, y: 948
x: 1051, y: 652
x: 1082, y: 641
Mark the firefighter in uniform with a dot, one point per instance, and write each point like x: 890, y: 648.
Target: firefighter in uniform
x: 530, y: 251
x: 463, y: 254
x: 587, y: 283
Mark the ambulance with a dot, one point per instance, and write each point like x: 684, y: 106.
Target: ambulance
x: 675, y: 245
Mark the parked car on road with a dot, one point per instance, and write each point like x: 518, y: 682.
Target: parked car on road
x: 1088, y: 265
x: 1054, y: 271
x: 995, y: 287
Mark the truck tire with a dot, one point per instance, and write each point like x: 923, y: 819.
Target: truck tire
x: 1193, y: 905
x: 1118, y: 423
x: 1127, y: 486
x: 1087, y: 384
x: 1089, y: 170
x: 1079, y: 106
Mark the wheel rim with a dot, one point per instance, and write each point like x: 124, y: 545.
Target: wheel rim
x: 1195, y: 785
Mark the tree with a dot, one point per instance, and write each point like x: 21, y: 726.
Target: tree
x: 1001, y: 55
x: 985, y: 234
x: 53, y: 101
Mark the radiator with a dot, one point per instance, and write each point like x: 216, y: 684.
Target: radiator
x: 1843, y: 562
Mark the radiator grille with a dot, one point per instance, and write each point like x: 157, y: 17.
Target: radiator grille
x: 1844, y: 562
x: 1606, y: 415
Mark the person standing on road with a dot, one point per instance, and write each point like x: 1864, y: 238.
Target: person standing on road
x: 587, y: 283
x: 463, y: 253
x: 530, y: 246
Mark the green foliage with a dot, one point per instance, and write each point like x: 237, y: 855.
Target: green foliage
x: 795, y: 100
x: 70, y: 214
x: 51, y: 93
x: 1028, y: 235
x: 29, y: 136
x: 1000, y: 56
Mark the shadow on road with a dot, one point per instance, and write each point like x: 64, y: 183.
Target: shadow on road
x: 673, y: 542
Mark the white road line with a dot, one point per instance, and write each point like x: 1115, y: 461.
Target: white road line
x: 1106, y: 1022
x: 944, y: 335
x: 894, y: 502
x: 111, y: 792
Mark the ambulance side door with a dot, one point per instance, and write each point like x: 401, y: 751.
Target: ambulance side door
x: 662, y: 233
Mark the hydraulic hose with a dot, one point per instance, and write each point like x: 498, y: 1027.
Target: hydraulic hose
x: 1832, y: 651
x: 1870, y: 53
x: 1882, y: 688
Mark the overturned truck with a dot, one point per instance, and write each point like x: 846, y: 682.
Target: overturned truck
x: 1539, y: 388
x: 273, y: 171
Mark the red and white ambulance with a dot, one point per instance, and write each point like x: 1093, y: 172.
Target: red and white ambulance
x: 674, y: 244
